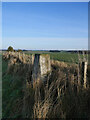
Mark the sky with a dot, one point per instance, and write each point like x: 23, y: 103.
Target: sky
x: 45, y: 26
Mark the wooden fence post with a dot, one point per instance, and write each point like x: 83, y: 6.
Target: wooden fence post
x: 84, y: 74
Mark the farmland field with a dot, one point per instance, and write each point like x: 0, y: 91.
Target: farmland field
x: 60, y: 56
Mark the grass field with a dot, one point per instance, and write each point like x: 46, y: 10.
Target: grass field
x: 60, y: 56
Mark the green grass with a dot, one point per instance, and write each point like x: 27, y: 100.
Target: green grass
x: 11, y: 91
x: 60, y: 56
x: 13, y: 86
x: 65, y: 57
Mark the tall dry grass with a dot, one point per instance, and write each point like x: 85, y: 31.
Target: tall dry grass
x: 59, y: 96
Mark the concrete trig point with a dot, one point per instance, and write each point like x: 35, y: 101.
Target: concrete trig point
x: 41, y: 66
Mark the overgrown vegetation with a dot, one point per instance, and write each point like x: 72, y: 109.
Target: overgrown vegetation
x: 63, y: 98
x: 14, y: 91
x: 58, y: 97
x: 11, y: 93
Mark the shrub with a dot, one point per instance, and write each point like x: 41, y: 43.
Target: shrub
x: 10, y: 49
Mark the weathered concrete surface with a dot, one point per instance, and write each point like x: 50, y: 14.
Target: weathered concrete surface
x: 41, y: 66
x: 45, y: 66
